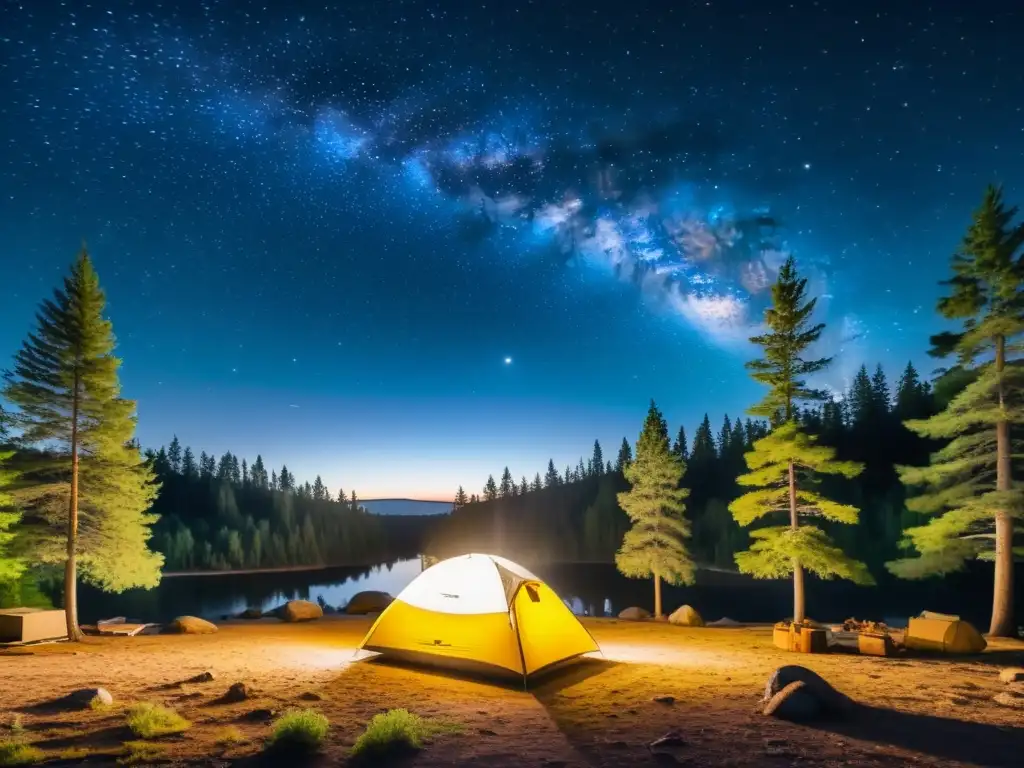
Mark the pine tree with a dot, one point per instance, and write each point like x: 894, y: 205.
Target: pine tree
x: 354, y: 501
x: 245, y: 473
x: 969, y: 485
x: 862, y: 398
x: 224, y: 467
x: 551, y: 479
x: 259, y: 473
x: 608, y: 469
x: 524, y: 487
x: 505, y: 489
x: 342, y: 498
x: 655, y: 546
x: 625, y: 456
x: 460, y: 499
x: 703, y: 443
x: 65, y: 384
x: 881, y: 398
x: 581, y: 471
x: 274, y: 486
x: 285, y: 480
x: 597, y: 460
x: 11, y: 566
x: 319, y: 490
x: 188, y: 464
x: 679, y: 448
x: 204, y: 465
x: 780, y: 462
x: 911, y: 399
x: 568, y: 477
x: 490, y: 489
x: 724, y: 436
x: 174, y: 455
x: 536, y: 485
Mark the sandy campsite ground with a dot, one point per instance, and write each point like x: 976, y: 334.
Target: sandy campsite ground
x: 935, y: 711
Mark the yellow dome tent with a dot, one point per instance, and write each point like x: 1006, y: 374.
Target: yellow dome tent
x: 941, y: 632
x: 479, y: 613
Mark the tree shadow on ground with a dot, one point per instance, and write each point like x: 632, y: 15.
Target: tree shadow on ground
x: 964, y: 741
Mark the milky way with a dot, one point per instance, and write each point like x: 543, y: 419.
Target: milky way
x: 323, y: 200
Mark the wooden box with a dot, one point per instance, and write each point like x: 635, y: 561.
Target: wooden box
x: 872, y: 644
x: 803, y: 639
x: 29, y: 625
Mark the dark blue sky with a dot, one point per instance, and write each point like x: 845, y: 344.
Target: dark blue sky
x: 323, y: 230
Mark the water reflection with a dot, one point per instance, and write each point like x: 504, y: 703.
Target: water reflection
x: 587, y: 589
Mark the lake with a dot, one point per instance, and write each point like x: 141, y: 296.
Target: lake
x: 590, y: 589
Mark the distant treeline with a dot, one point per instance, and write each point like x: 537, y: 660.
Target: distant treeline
x: 217, y: 514
x: 575, y: 516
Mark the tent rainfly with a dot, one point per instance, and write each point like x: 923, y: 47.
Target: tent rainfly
x: 479, y: 613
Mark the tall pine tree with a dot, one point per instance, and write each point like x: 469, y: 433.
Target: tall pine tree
x: 89, y: 481
x: 969, y: 485
x: 781, y: 463
x: 655, y: 547
x: 625, y: 456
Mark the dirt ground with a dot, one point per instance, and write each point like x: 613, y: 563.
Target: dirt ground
x: 601, y: 712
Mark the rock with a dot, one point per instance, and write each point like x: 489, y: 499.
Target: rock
x: 260, y: 715
x: 664, y: 699
x: 795, y: 702
x: 1011, y: 675
x: 1011, y: 700
x: 251, y: 613
x: 202, y: 677
x: 686, y: 616
x: 310, y: 696
x: 237, y: 692
x: 725, y: 621
x: 828, y: 697
x: 299, y: 610
x: 369, y: 601
x: 634, y: 613
x: 84, y: 697
x: 190, y: 625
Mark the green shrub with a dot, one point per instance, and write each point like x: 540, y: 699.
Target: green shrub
x: 299, y: 730
x: 396, y: 731
x: 151, y: 720
x: 228, y: 736
x: 19, y: 753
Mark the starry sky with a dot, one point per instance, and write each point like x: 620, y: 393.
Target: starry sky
x: 404, y: 244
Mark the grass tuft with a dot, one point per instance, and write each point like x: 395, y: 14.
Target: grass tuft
x: 140, y: 752
x: 299, y: 731
x: 228, y: 736
x: 397, y: 731
x: 17, y: 723
x: 151, y: 720
x: 99, y: 704
x: 19, y: 753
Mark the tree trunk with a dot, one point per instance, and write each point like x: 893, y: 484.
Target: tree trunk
x: 71, y: 566
x: 1003, y: 624
x: 798, y: 571
x: 657, y: 595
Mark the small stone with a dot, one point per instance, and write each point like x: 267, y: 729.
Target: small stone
x: 665, y: 699
x: 299, y: 610
x: 190, y: 625
x: 259, y: 715
x: 310, y: 696
x: 685, y: 616
x: 84, y: 698
x: 795, y: 702
x: 1011, y: 675
x: 487, y: 732
x: 251, y: 613
x: 635, y: 613
x: 1011, y: 700
x: 237, y: 692
x: 959, y: 701
x: 202, y: 677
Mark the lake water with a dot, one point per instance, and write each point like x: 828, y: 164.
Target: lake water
x: 589, y: 589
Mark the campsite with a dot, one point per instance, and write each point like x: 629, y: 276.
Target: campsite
x: 504, y: 674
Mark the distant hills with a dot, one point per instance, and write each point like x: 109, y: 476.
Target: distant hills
x: 405, y: 507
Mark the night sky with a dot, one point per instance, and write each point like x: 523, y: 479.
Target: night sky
x: 403, y: 244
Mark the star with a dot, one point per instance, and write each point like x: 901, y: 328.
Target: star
x: 508, y: 361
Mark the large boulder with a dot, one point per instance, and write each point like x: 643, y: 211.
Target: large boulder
x: 634, y: 613
x: 369, y: 601
x: 190, y: 625
x: 795, y: 702
x: 829, y: 699
x: 299, y: 610
x: 686, y: 616
x: 725, y: 621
